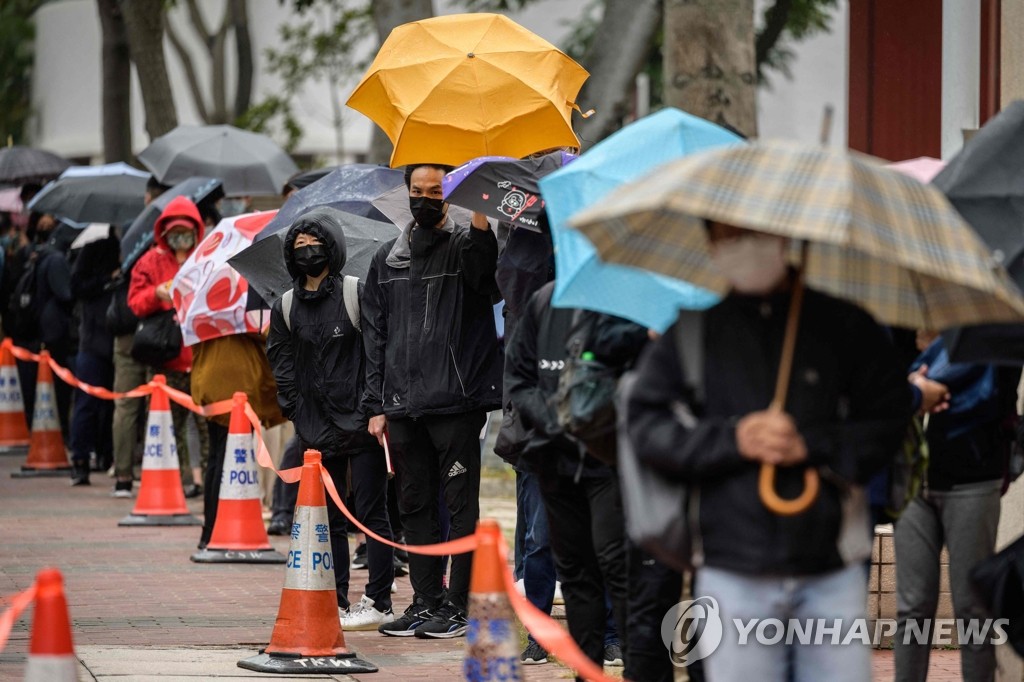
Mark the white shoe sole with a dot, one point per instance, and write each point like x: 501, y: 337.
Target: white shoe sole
x: 363, y: 627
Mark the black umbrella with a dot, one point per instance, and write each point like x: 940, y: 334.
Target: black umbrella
x: 999, y: 581
x: 503, y: 188
x: 307, y: 178
x: 94, y: 194
x: 262, y: 264
x: 22, y: 165
x: 349, y: 189
x: 248, y: 163
x: 204, y: 192
x: 985, y: 183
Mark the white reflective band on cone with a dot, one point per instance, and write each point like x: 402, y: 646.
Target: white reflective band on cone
x: 10, y: 390
x: 161, y: 450
x: 239, y: 478
x: 310, y: 565
x: 40, y: 667
x: 44, y: 416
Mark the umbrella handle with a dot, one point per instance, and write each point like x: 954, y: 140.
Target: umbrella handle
x: 779, y: 505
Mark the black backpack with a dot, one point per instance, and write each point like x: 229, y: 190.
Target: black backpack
x: 22, y: 311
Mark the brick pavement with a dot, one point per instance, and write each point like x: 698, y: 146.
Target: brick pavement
x: 134, y: 594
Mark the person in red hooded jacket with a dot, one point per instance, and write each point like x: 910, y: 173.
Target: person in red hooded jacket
x: 176, y: 233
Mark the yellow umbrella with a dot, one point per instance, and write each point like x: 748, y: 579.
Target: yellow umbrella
x: 453, y: 88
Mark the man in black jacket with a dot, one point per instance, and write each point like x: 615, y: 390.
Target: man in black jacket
x: 433, y: 371
x: 580, y: 494
x: 317, y: 356
x: 847, y: 411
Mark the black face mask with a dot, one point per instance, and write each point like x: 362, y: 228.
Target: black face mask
x: 310, y: 260
x: 426, y: 211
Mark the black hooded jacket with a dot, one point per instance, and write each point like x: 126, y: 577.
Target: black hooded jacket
x: 318, y: 364
x: 428, y: 324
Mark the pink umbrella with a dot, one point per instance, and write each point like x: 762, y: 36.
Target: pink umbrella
x: 209, y: 295
x: 10, y: 200
x: 922, y: 169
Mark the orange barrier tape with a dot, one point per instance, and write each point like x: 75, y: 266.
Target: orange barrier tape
x: 19, y: 602
x: 98, y: 391
x: 24, y: 355
x: 185, y: 400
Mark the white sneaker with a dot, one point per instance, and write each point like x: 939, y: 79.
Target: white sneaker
x: 521, y: 586
x: 559, y: 599
x: 394, y: 588
x: 363, y: 616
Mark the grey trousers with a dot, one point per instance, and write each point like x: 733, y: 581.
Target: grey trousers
x: 127, y: 411
x: 965, y: 519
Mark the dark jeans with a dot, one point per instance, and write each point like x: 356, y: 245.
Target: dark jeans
x: 585, y: 524
x: 93, y: 418
x: 212, y: 476
x: 285, y: 494
x: 370, y: 494
x: 538, y: 563
x: 653, y: 589
x: 431, y: 454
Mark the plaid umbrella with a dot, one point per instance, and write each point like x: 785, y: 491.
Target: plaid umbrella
x: 867, y: 234
x: 877, y: 237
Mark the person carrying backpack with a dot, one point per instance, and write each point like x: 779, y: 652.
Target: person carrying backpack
x: 315, y: 348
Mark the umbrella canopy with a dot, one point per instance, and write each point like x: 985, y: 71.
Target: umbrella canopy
x: 112, y: 193
x: 21, y: 165
x: 262, y: 264
x: 308, y: 178
x: 985, y: 182
x: 584, y: 280
x: 504, y: 188
x: 92, y: 233
x: 922, y: 169
x: 349, y: 189
x: 210, y: 296
x: 247, y: 163
x: 457, y: 87
x: 139, y: 236
x: 877, y: 237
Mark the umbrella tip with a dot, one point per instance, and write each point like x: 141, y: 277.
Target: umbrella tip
x: 470, y: 55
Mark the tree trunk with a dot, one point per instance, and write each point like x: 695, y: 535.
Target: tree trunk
x: 388, y: 14
x: 117, y: 73
x: 144, y: 21
x: 244, y: 57
x: 629, y: 26
x: 709, y: 61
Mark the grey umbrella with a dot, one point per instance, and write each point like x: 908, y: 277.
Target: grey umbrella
x: 20, y: 165
x: 247, y: 163
x: 112, y: 193
x: 262, y: 264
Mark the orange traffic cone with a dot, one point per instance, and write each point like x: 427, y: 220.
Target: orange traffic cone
x: 307, y: 636
x: 46, y: 453
x: 492, y: 639
x: 161, y: 500
x: 51, y: 655
x: 239, y: 535
x: 14, y: 435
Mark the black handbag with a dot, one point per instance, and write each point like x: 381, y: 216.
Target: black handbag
x: 157, y: 339
x: 120, y: 318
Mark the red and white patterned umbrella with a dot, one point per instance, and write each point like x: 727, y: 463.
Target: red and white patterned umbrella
x: 209, y: 295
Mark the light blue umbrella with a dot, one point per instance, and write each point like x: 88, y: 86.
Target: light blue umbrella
x: 583, y: 280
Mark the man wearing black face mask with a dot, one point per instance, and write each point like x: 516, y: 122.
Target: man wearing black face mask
x: 316, y: 353
x: 433, y: 370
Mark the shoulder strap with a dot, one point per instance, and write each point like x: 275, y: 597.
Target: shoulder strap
x: 286, y: 307
x: 689, y: 341
x: 350, y: 294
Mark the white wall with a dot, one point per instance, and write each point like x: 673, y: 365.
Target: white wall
x: 961, y: 66
x: 793, y: 107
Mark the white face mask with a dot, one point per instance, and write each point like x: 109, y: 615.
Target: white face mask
x: 753, y: 265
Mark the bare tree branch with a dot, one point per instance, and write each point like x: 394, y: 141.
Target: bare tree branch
x: 243, y: 53
x: 196, y: 17
x: 117, y: 78
x: 144, y: 21
x: 218, y: 80
x: 190, y: 72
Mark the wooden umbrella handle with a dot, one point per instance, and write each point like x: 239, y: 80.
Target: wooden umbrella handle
x: 766, y: 479
x: 782, y: 506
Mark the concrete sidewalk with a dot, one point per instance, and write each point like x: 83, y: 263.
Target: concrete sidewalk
x: 142, y: 611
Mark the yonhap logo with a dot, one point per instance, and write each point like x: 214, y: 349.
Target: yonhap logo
x: 692, y: 630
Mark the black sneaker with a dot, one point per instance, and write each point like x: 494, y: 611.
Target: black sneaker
x: 534, y: 654
x: 122, y: 489
x: 448, y: 621
x: 80, y: 473
x: 359, y: 561
x: 416, y: 615
x: 279, y: 527
x: 613, y: 655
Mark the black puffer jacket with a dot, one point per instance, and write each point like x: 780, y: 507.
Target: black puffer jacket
x: 91, y: 276
x: 848, y: 395
x: 428, y: 325
x: 318, y: 364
